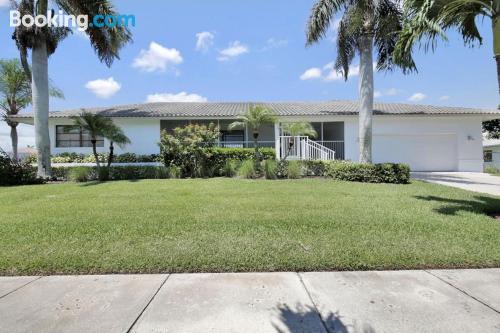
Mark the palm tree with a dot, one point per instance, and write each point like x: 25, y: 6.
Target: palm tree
x: 254, y: 119
x: 297, y: 129
x: 429, y: 19
x: 43, y: 42
x: 364, y: 24
x: 95, y: 125
x: 115, y: 135
x: 15, y: 95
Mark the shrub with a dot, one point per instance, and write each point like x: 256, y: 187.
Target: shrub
x: 16, y: 173
x: 79, y: 174
x: 219, y: 156
x: 103, y: 173
x: 174, y: 172
x: 230, y: 168
x: 247, y: 169
x: 368, y: 173
x: 162, y: 172
x: 282, y: 169
x: 491, y: 170
x: 314, y: 168
x: 270, y: 169
x: 189, y: 148
x: 294, y: 170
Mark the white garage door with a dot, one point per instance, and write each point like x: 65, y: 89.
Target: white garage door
x: 431, y: 152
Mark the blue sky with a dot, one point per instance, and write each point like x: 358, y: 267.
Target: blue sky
x: 244, y: 51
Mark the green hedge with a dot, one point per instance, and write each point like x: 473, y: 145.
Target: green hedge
x: 368, y: 173
x: 118, y: 172
x: 220, y: 156
x: 103, y: 157
x: 351, y: 171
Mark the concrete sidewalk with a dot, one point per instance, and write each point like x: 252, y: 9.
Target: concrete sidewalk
x: 385, y: 301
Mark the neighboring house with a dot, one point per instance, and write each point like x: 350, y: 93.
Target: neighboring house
x: 491, y: 150
x: 428, y: 138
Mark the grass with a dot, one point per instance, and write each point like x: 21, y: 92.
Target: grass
x: 220, y: 225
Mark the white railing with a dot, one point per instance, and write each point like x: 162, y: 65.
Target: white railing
x: 244, y: 144
x: 302, y: 148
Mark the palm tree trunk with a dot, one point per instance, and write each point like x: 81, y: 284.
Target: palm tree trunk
x: 40, y: 91
x: 496, y: 44
x: 365, y: 98
x: 96, y: 156
x: 111, y: 151
x: 256, y: 147
x: 13, y: 137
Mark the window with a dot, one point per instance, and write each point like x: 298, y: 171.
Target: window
x: 488, y: 156
x: 67, y: 136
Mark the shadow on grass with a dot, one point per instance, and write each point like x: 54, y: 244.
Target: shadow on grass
x: 308, y: 319
x: 480, y: 204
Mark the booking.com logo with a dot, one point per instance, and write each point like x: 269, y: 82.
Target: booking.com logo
x: 80, y: 22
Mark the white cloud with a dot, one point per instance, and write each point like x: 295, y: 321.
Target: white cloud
x: 180, y: 97
x: 103, y: 88
x: 392, y: 92
x: 444, y: 98
x: 273, y: 43
x: 4, y: 3
x: 387, y: 92
x: 234, y: 49
x: 311, y: 73
x: 204, y: 40
x: 333, y: 75
x: 417, y: 97
x: 157, y: 58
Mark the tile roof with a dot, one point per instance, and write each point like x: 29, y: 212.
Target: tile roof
x: 233, y: 109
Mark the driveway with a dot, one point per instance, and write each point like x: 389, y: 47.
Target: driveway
x: 471, y: 181
x: 324, y: 302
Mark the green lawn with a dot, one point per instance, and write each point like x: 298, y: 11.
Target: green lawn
x: 242, y: 225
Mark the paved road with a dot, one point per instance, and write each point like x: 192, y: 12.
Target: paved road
x: 399, y: 301
x: 471, y: 181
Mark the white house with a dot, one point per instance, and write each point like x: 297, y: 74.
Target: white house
x: 428, y: 138
x: 491, y: 149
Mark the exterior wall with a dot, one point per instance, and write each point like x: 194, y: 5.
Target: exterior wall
x: 143, y: 133
x: 466, y: 131
x: 495, y: 157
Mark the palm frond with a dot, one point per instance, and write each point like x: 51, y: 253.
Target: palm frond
x: 388, y: 25
x: 321, y: 17
x: 349, y: 31
x: 106, y: 41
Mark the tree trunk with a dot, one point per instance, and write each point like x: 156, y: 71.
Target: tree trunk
x: 96, y: 156
x: 256, y: 147
x: 111, y: 151
x: 40, y: 91
x: 13, y: 137
x: 365, y: 98
x: 496, y: 43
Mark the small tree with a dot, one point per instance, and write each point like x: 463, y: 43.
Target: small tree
x: 15, y: 95
x: 96, y: 125
x: 115, y: 135
x: 298, y: 129
x: 254, y: 119
x: 189, y: 148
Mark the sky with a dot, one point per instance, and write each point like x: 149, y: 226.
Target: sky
x: 221, y: 50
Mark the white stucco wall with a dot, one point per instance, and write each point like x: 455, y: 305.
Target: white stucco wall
x: 495, y: 157
x: 465, y: 131
x: 143, y: 133
x: 457, y: 136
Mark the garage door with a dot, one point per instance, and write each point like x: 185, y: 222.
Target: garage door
x: 431, y: 152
